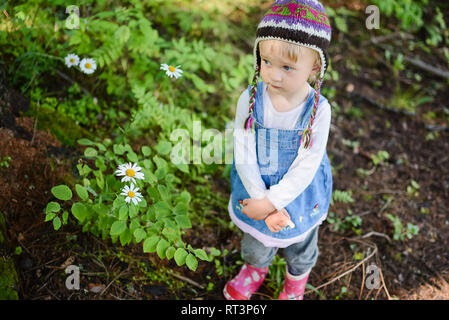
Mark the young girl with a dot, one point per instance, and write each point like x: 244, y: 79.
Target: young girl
x: 281, y: 177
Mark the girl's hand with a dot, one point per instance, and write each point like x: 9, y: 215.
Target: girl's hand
x: 278, y: 220
x: 257, y: 209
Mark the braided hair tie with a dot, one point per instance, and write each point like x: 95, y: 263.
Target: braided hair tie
x: 249, y: 122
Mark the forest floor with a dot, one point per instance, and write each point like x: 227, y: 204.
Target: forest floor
x: 415, y: 268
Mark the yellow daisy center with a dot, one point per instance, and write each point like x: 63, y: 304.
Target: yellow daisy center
x: 72, y: 60
x: 172, y: 69
x: 88, y: 65
x: 130, y: 173
x: 131, y: 194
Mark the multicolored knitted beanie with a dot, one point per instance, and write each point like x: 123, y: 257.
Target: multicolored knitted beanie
x: 301, y: 22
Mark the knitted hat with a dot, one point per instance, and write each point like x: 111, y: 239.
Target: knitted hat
x: 301, y: 22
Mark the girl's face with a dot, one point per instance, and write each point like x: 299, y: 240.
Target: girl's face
x: 282, y: 75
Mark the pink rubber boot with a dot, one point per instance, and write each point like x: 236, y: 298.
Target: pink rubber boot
x: 294, y: 287
x: 245, y: 283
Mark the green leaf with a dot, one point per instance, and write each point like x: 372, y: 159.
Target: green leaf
x: 118, y: 149
x: 85, y: 142
x: 56, y: 223
x: 117, y: 228
x: 160, y: 173
x: 62, y: 192
x: 142, y: 203
x: 101, y: 147
x: 180, y: 256
x: 170, y: 252
x: 79, y: 211
x: 183, y: 221
x: 125, y: 237
x: 100, y: 179
x: 52, y: 207
x: 181, y: 209
x: 123, y: 213
x: 163, y: 191
x: 162, y: 209
x: 183, y: 167
x: 133, y: 210
x: 119, y: 201
x: 215, y: 252
x: 191, y: 262
x: 149, y: 177
x: 146, y: 151
x: 132, y: 156
x: 99, y: 163
x: 200, y: 253
x: 170, y: 234
x: 65, y: 216
x: 198, y: 82
x: 149, y: 245
x: 81, y: 191
x: 147, y: 164
x: 163, y: 147
x: 162, y: 246
x: 160, y: 162
x: 90, y: 152
x: 101, y: 209
x: 49, y: 216
x: 185, y: 196
x: 139, y: 234
x: 414, y: 184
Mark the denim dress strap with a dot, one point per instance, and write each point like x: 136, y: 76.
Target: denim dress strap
x: 303, y: 119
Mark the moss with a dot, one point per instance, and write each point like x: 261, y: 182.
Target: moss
x: 64, y: 128
x: 8, y: 274
x: 8, y: 280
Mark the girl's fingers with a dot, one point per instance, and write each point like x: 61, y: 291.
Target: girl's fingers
x: 289, y: 222
x: 284, y: 211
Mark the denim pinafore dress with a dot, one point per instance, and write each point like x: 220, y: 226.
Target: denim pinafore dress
x: 276, y: 150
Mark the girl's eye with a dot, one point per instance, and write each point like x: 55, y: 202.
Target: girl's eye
x: 287, y: 68
x: 266, y: 61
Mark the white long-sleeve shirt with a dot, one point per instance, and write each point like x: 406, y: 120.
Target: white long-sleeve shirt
x: 303, y: 169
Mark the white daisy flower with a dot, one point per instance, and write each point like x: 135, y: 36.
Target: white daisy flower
x: 130, y: 172
x: 131, y: 194
x: 88, y: 65
x: 172, y: 71
x: 72, y: 60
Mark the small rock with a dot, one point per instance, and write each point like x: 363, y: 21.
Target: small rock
x: 350, y: 87
x: 95, y: 287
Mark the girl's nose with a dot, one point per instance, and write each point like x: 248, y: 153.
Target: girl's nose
x: 276, y: 75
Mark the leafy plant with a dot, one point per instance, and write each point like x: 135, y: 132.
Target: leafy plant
x: 156, y: 221
x: 408, y: 12
x: 380, y: 157
x: 276, y: 274
x: 349, y: 222
x: 399, y: 231
x: 341, y: 196
x: 5, y: 162
x: 412, y: 189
